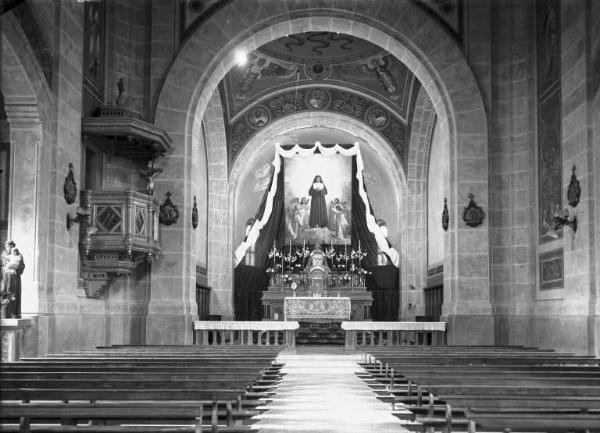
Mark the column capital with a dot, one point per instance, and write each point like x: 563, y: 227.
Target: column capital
x: 21, y: 111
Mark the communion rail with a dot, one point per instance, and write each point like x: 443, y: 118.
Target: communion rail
x: 266, y: 333
x: 365, y: 334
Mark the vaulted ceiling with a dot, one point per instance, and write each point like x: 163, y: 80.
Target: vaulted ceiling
x: 319, y: 71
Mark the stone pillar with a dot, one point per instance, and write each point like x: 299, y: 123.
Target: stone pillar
x: 25, y: 201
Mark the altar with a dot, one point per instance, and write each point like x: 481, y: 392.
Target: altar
x: 313, y: 292
x: 303, y: 308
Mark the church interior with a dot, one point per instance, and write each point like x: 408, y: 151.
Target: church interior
x: 241, y: 179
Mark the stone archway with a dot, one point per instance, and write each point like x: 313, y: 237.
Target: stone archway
x: 408, y: 33
x: 414, y: 259
x: 27, y: 98
x: 376, y: 151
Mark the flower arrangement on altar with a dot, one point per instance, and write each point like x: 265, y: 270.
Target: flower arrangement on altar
x: 292, y: 260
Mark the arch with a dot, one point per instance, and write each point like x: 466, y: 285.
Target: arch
x: 414, y: 245
x: 271, y: 134
x: 409, y: 34
x: 27, y: 101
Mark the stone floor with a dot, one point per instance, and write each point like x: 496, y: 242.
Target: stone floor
x: 320, y: 392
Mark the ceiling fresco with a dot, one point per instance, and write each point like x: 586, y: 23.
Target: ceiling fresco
x: 317, y: 58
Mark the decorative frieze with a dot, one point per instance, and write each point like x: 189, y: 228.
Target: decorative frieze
x: 291, y: 102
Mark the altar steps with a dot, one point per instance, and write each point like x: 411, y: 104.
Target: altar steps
x: 320, y: 333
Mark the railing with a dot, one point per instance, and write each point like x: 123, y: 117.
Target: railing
x: 266, y: 333
x: 364, y: 334
x: 12, y: 334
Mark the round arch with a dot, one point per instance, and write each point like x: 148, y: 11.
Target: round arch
x: 27, y: 100
x: 416, y: 39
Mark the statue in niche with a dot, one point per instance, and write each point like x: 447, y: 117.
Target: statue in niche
x: 10, y: 285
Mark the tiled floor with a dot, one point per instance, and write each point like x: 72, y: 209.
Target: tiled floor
x: 321, y: 393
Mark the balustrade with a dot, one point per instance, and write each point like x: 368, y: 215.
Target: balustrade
x: 364, y: 334
x: 223, y: 333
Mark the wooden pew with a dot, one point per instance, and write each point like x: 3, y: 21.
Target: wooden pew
x: 524, y: 388
x: 138, y: 380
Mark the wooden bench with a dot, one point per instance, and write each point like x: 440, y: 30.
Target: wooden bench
x: 491, y: 389
x: 183, y: 385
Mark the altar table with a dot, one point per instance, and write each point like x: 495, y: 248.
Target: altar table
x: 303, y: 308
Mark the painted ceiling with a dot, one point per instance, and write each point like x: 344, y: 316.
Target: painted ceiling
x: 317, y: 58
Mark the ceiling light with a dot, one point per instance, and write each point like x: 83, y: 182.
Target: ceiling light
x: 241, y: 57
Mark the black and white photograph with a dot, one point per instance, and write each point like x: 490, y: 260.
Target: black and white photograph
x: 300, y: 216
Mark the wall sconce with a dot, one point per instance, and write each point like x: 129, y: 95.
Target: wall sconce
x: 560, y: 219
x: 81, y: 216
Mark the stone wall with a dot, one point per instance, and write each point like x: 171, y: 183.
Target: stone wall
x: 220, y: 235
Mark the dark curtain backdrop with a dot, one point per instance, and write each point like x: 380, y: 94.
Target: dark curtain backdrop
x: 251, y: 281
x: 383, y: 280
x: 359, y: 223
x: 383, y: 285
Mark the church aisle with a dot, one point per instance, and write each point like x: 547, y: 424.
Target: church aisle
x: 320, y: 392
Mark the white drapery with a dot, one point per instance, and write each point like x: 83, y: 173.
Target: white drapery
x: 297, y: 150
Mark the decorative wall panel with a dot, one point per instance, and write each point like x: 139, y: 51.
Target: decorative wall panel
x: 550, y: 162
x: 548, y: 42
x: 93, y: 49
x: 551, y: 270
x: 549, y: 116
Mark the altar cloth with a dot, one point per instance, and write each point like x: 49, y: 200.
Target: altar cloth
x: 296, y: 308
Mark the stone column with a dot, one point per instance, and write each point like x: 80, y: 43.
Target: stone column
x: 25, y: 200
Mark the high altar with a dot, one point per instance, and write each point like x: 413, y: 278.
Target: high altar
x: 314, y: 293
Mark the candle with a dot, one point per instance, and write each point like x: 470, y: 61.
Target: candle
x: 290, y: 247
x: 359, y: 245
x: 345, y: 242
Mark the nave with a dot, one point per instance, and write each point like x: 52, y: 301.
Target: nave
x: 223, y: 388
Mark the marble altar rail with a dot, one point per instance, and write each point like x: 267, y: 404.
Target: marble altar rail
x: 360, y: 334
x: 248, y: 333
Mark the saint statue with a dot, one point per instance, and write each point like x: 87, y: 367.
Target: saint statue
x: 10, y: 285
x: 318, y: 207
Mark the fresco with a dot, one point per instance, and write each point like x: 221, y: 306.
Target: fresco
x: 318, y: 199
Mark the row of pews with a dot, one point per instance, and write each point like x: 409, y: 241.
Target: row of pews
x: 487, y: 388
x: 151, y: 389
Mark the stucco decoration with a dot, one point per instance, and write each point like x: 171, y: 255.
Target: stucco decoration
x: 317, y: 58
x: 321, y: 98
